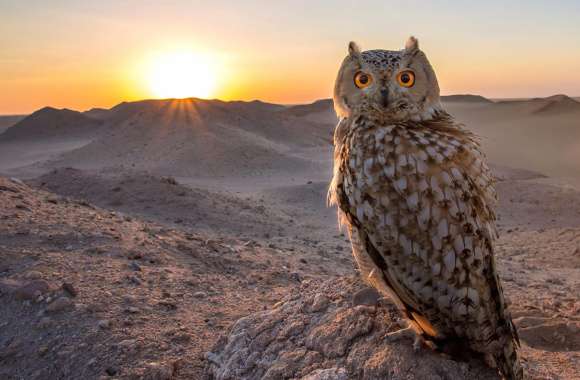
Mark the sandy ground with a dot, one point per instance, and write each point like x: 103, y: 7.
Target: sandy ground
x: 129, y: 251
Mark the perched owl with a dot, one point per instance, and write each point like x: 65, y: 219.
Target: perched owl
x: 415, y: 192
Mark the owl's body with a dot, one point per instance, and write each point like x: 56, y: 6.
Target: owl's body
x: 417, y: 196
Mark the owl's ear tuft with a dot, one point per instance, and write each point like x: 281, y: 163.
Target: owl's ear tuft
x: 353, y: 49
x: 411, y: 45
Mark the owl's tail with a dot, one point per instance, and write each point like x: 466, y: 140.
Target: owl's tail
x: 508, y: 362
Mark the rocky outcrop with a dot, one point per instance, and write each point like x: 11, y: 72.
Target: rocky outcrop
x: 331, y: 330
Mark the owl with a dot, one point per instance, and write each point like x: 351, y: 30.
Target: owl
x: 413, y: 189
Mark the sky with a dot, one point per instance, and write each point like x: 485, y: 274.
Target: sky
x: 81, y: 54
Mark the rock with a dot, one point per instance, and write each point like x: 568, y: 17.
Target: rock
x: 327, y: 374
x: 317, y: 334
x: 60, y: 304
x: 169, y: 180
x: 158, y: 371
x: 112, y: 371
x: 31, y: 290
x: 104, y: 324
x: 200, y: 294
x: 128, y: 344
x: 70, y: 289
x: 296, y: 276
x: 367, y: 296
x: 136, y: 267
x: 573, y: 327
x: 320, y: 303
x: 9, y: 286
x: 42, y: 350
x: 11, y: 350
x: 33, y: 275
x: 45, y: 322
x: 17, y: 181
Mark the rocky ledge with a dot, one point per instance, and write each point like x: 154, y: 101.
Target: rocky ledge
x: 329, y: 330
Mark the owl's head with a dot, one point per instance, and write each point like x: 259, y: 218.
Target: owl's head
x: 391, y: 85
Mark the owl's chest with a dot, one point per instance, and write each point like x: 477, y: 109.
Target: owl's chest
x: 385, y: 158
x: 397, y: 168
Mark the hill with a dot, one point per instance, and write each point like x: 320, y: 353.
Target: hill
x: 557, y: 104
x: 465, y: 98
x: 322, y: 105
x: 97, y: 113
x: 212, y: 138
x: 50, y: 122
x: 551, y: 105
x: 6, y: 121
x: 201, y: 138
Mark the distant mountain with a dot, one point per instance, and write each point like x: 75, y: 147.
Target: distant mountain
x: 465, y: 98
x: 200, y: 137
x: 51, y: 122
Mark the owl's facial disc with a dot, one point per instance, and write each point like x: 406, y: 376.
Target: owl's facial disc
x: 393, y: 85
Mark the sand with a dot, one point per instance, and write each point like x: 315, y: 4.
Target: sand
x: 172, y: 219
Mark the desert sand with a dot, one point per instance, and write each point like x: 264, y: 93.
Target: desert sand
x: 133, y: 239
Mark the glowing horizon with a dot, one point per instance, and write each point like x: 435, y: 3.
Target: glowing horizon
x: 81, y: 55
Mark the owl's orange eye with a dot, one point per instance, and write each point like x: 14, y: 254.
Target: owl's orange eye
x: 406, y: 78
x: 362, y: 80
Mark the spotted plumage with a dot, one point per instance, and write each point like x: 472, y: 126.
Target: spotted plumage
x: 415, y: 192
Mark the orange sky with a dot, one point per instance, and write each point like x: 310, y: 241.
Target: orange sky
x: 69, y: 54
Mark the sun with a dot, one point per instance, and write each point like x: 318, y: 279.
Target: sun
x: 180, y: 75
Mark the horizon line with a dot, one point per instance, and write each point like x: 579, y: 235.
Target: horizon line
x: 267, y: 102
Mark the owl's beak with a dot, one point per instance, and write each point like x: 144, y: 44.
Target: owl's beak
x: 385, y: 97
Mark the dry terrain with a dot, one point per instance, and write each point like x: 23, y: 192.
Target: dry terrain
x: 136, y: 237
